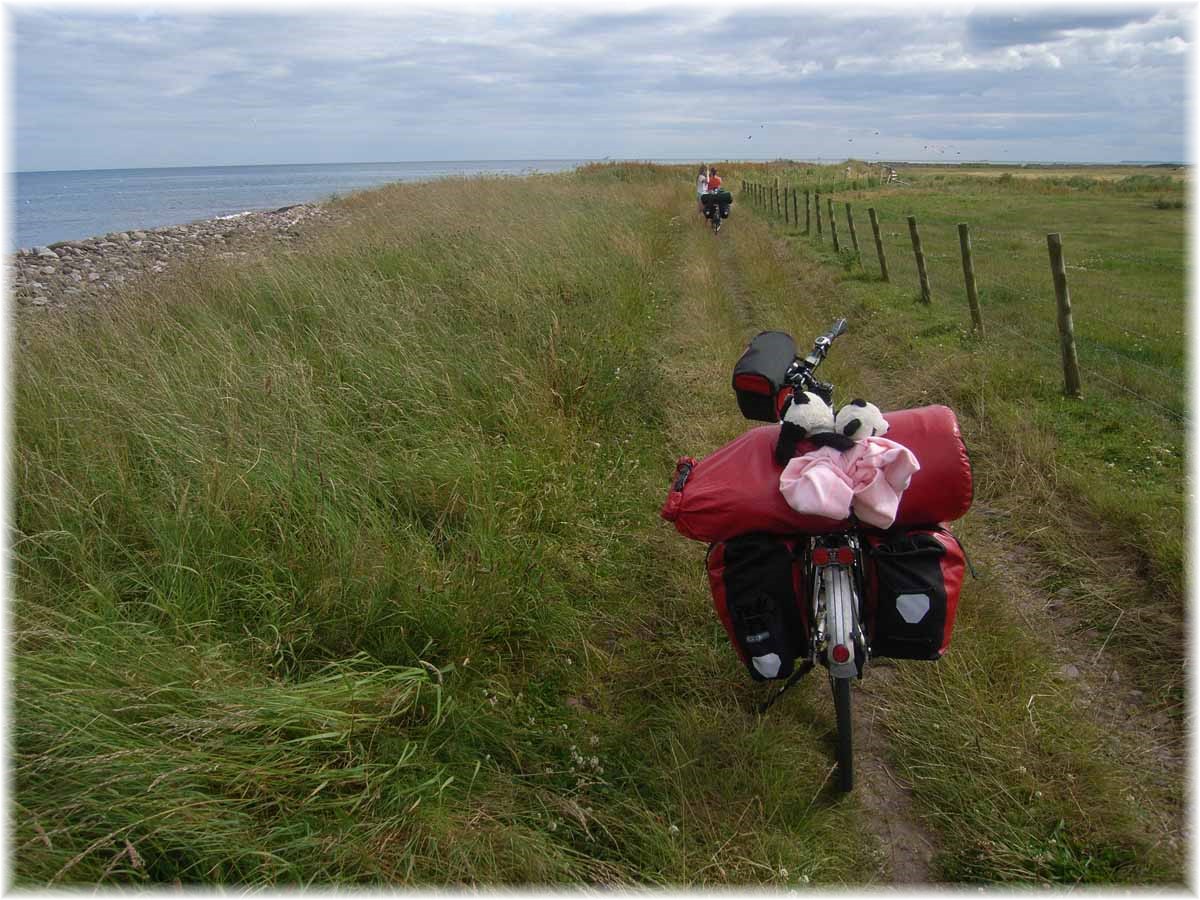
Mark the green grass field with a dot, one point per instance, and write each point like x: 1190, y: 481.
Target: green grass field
x: 345, y: 568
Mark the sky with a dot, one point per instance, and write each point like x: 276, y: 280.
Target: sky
x: 130, y: 86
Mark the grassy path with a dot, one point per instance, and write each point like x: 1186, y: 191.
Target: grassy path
x: 886, y: 803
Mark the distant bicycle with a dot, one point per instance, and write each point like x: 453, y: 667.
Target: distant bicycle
x: 716, y: 208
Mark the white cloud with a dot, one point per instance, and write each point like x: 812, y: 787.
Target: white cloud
x: 470, y: 84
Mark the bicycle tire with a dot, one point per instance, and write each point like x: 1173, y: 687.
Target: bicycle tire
x: 845, y: 735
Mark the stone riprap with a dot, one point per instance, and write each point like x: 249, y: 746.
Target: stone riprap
x: 79, y: 273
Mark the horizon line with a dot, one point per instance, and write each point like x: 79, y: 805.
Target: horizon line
x: 818, y: 160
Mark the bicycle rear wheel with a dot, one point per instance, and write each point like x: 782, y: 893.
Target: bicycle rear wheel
x: 845, y: 737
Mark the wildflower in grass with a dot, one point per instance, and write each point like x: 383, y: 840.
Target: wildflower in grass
x: 674, y: 829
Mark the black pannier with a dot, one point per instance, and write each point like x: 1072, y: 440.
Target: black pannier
x: 758, y: 377
x: 914, y: 577
x: 758, y: 592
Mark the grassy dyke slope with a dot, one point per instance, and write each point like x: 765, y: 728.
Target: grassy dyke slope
x: 346, y: 568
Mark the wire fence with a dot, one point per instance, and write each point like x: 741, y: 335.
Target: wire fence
x: 1138, y: 354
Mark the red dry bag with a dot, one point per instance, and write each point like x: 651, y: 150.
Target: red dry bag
x: 735, y: 490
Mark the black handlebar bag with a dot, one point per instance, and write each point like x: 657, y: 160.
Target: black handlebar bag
x: 759, y: 594
x: 760, y: 373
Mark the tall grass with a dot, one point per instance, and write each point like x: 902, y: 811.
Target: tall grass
x: 345, y: 568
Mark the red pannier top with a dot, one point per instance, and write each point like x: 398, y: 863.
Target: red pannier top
x: 735, y: 490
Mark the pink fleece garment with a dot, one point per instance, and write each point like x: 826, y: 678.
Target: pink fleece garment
x: 869, y: 477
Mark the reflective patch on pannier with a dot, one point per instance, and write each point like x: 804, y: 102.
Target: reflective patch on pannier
x: 912, y: 607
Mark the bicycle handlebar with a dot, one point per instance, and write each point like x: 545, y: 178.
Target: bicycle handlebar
x: 800, y: 373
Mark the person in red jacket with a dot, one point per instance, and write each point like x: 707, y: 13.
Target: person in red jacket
x: 714, y: 180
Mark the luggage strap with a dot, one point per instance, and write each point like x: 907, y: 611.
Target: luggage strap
x: 804, y: 669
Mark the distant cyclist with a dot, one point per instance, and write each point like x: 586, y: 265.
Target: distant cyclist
x: 719, y: 202
x: 701, y: 188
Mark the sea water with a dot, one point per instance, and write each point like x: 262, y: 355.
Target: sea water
x: 71, y: 205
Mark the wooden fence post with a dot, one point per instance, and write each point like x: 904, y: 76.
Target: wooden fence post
x: 795, y: 208
x: 1066, y: 328
x: 775, y: 196
x: 878, y: 242
x: 920, y: 255
x: 786, y: 219
x: 964, y: 242
x: 833, y: 228
x: 817, y: 205
x: 850, y: 223
x: 807, y: 213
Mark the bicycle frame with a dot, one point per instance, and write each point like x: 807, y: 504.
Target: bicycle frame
x: 833, y: 563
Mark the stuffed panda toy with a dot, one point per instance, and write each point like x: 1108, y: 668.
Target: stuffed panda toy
x: 807, y: 417
x: 859, y: 420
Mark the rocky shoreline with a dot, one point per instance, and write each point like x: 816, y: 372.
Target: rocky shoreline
x: 82, y: 272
